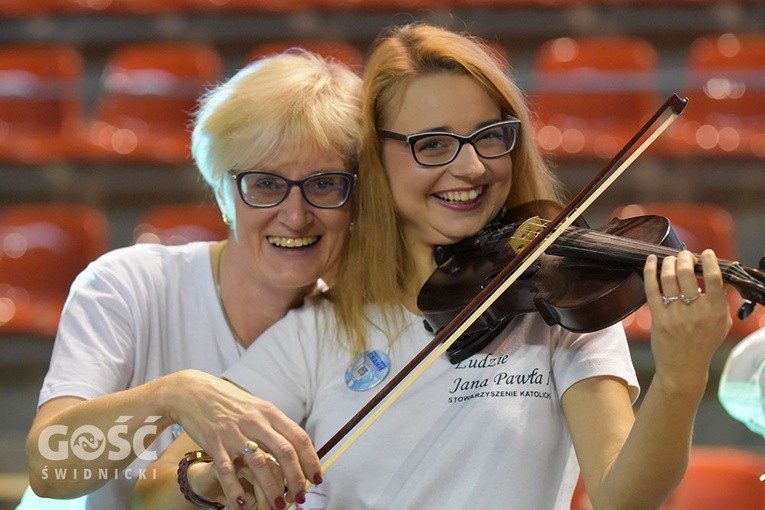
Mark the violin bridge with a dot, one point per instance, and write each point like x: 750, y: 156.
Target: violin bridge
x: 525, y: 233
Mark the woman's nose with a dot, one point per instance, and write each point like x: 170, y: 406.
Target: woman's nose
x: 295, y: 212
x: 467, y: 163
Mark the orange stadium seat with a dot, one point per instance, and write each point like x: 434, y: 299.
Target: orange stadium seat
x: 149, y: 91
x: 247, y: 6
x: 401, y: 5
x: 589, y: 95
x: 128, y: 7
x: 699, y: 226
x: 41, y: 106
x: 180, y: 224
x: 329, y: 48
x: 44, y: 247
x: 721, y: 477
x: 725, y: 116
x: 717, y: 478
x: 28, y: 8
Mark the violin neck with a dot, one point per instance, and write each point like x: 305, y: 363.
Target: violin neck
x: 620, y: 251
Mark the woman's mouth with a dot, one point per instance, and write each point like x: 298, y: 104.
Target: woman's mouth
x: 291, y: 242
x: 460, y: 197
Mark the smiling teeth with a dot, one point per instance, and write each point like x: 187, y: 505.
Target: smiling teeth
x: 459, y: 196
x: 291, y: 242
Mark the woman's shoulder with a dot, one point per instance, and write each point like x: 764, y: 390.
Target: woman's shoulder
x: 152, y: 254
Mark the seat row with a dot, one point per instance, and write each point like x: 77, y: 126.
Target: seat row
x: 717, y: 477
x: 589, y: 95
x: 44, y: 246
x: 32, y: 8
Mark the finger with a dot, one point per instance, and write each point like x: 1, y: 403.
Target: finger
x: 252, y: 486
x: 293, y: 449
x: 651, y: 280
x: 669, y: 283
x: 271, y: 483
x: 229, y: 482
x: 713, y: 281
x: 686, y: 276
x: 308, y: 460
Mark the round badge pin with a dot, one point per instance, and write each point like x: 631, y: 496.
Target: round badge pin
x: 367, y: 370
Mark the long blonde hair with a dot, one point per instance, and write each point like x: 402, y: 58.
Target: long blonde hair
x: 378, y: 266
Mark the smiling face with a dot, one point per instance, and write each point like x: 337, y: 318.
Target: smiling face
x: 444, y: 204
x: 292, y: 244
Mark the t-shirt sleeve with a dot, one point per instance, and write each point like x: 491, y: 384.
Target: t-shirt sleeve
x: 579, y: 356
x: 93, y: 353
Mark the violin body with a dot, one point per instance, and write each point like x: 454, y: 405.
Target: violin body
x: 586, y: 280
x: 567, y: 285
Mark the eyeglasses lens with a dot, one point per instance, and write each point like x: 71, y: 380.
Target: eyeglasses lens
x: 322, y: 190
x: 492, y: 142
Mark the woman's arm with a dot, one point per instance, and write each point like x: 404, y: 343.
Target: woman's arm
x: 220, y: 416
x: 636, y: 462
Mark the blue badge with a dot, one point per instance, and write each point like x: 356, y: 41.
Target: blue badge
x: 367, y: 370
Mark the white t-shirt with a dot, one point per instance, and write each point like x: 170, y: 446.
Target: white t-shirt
x: 135, y: 314
x: 486, y: 433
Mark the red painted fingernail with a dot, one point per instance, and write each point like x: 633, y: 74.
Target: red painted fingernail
x: 241, y: 502
x: 300, y: 497
x: 317, y: 479
x: 280, y: 503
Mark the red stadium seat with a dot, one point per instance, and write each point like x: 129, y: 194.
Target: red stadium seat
x: 250, y: 6
x: 41, y: 107
x: 44, y: 247
x: 180, y: 224
x: 128, y: 7
x: 725, y: 116
x: 328, y: 48
x: 699, y: 226
x: 591, y: 94
x: 721, y: 477
x: 150, y: 90
x: 717, y: 478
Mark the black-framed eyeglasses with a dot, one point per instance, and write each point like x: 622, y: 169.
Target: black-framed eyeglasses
x: 326, y: 190
x: 436, y: 148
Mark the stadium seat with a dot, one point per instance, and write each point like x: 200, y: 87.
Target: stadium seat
x: 590, y: 95
x: 149, y: 91
x: 44, y: 247
x: 717, y: 478
x: 252, y: 6
x: 699, y: 226
x: 725, y: 116
x: 721, y: 477
x: 41, y: 106
x: 339, y: 50
x: 28, y: 8
x: 180, y: 224
x: 128, y: 7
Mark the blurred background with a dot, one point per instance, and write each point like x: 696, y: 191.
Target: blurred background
x: 95, y: 97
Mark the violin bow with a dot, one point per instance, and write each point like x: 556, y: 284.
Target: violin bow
x: 449, y: 334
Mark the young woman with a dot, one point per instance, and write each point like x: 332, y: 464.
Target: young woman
x: 148, y: 329
x: 447, y: 145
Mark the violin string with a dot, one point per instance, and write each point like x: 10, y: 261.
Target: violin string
x: 594, y: 240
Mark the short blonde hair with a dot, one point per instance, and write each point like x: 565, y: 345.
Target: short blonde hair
x: 377, y: 254
x: 291, y: 103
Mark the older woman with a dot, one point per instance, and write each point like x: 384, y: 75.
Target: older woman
x: 148, y: 329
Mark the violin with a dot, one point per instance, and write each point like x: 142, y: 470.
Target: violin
x: 588, y: 279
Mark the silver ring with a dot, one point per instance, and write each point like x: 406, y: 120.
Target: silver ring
x: 250, y: 447
x: 687, y: 300
x: 665, y: 300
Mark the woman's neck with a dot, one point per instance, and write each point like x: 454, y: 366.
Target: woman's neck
x: 247, y: 305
